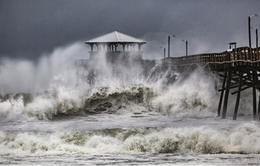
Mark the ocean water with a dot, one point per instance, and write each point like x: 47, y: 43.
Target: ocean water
x: 126, y: 119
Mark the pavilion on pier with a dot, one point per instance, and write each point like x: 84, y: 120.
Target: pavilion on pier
x: 116, y: 45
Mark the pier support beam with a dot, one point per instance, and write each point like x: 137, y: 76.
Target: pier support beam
x: 227, y: 93
x: 242, y: 78
x: 222, y: 93
x: 258, y: 108
x: 254, y: 75
x: 238, y: 95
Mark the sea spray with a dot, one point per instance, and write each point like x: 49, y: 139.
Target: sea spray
x: 44, y: 106
x: 190, y: 98
x: 186, y: 100
x: 56, y: 74
x: 193, y: 96
x: 54, y: 69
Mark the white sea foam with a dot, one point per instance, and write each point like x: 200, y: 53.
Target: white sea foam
x: 201, y: 140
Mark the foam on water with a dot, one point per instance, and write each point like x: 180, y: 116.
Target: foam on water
x: 198, y: 140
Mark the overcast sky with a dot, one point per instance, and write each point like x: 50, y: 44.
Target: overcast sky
x: 30, y: 28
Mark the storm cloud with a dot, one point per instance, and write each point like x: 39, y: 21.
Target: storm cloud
x: 32, y: 28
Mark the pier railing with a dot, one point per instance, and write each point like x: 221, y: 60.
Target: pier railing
x: 242, y: 56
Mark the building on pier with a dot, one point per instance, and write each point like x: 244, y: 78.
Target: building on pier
x: 116, y: 45
x: 115, y: 51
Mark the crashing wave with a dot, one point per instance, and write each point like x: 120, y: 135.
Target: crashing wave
x: 182, y: 100
x: 199, y: 140
x: 47, y: 105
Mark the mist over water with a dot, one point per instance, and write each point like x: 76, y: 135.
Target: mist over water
x: 54, y: 69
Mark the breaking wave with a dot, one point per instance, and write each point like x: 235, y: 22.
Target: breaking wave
x: 177, y: 100
x: 200, y: 140
x: 45, y: 105
x: 195, y: 97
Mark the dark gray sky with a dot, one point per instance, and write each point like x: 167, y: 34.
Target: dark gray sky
x: 29, y: 28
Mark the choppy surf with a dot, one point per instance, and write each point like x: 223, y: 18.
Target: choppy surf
x: 122, y: 114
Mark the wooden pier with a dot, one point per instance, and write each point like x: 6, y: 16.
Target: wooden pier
x: 240, y: 69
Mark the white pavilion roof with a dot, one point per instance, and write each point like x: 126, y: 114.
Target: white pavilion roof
x: 115, y: 37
